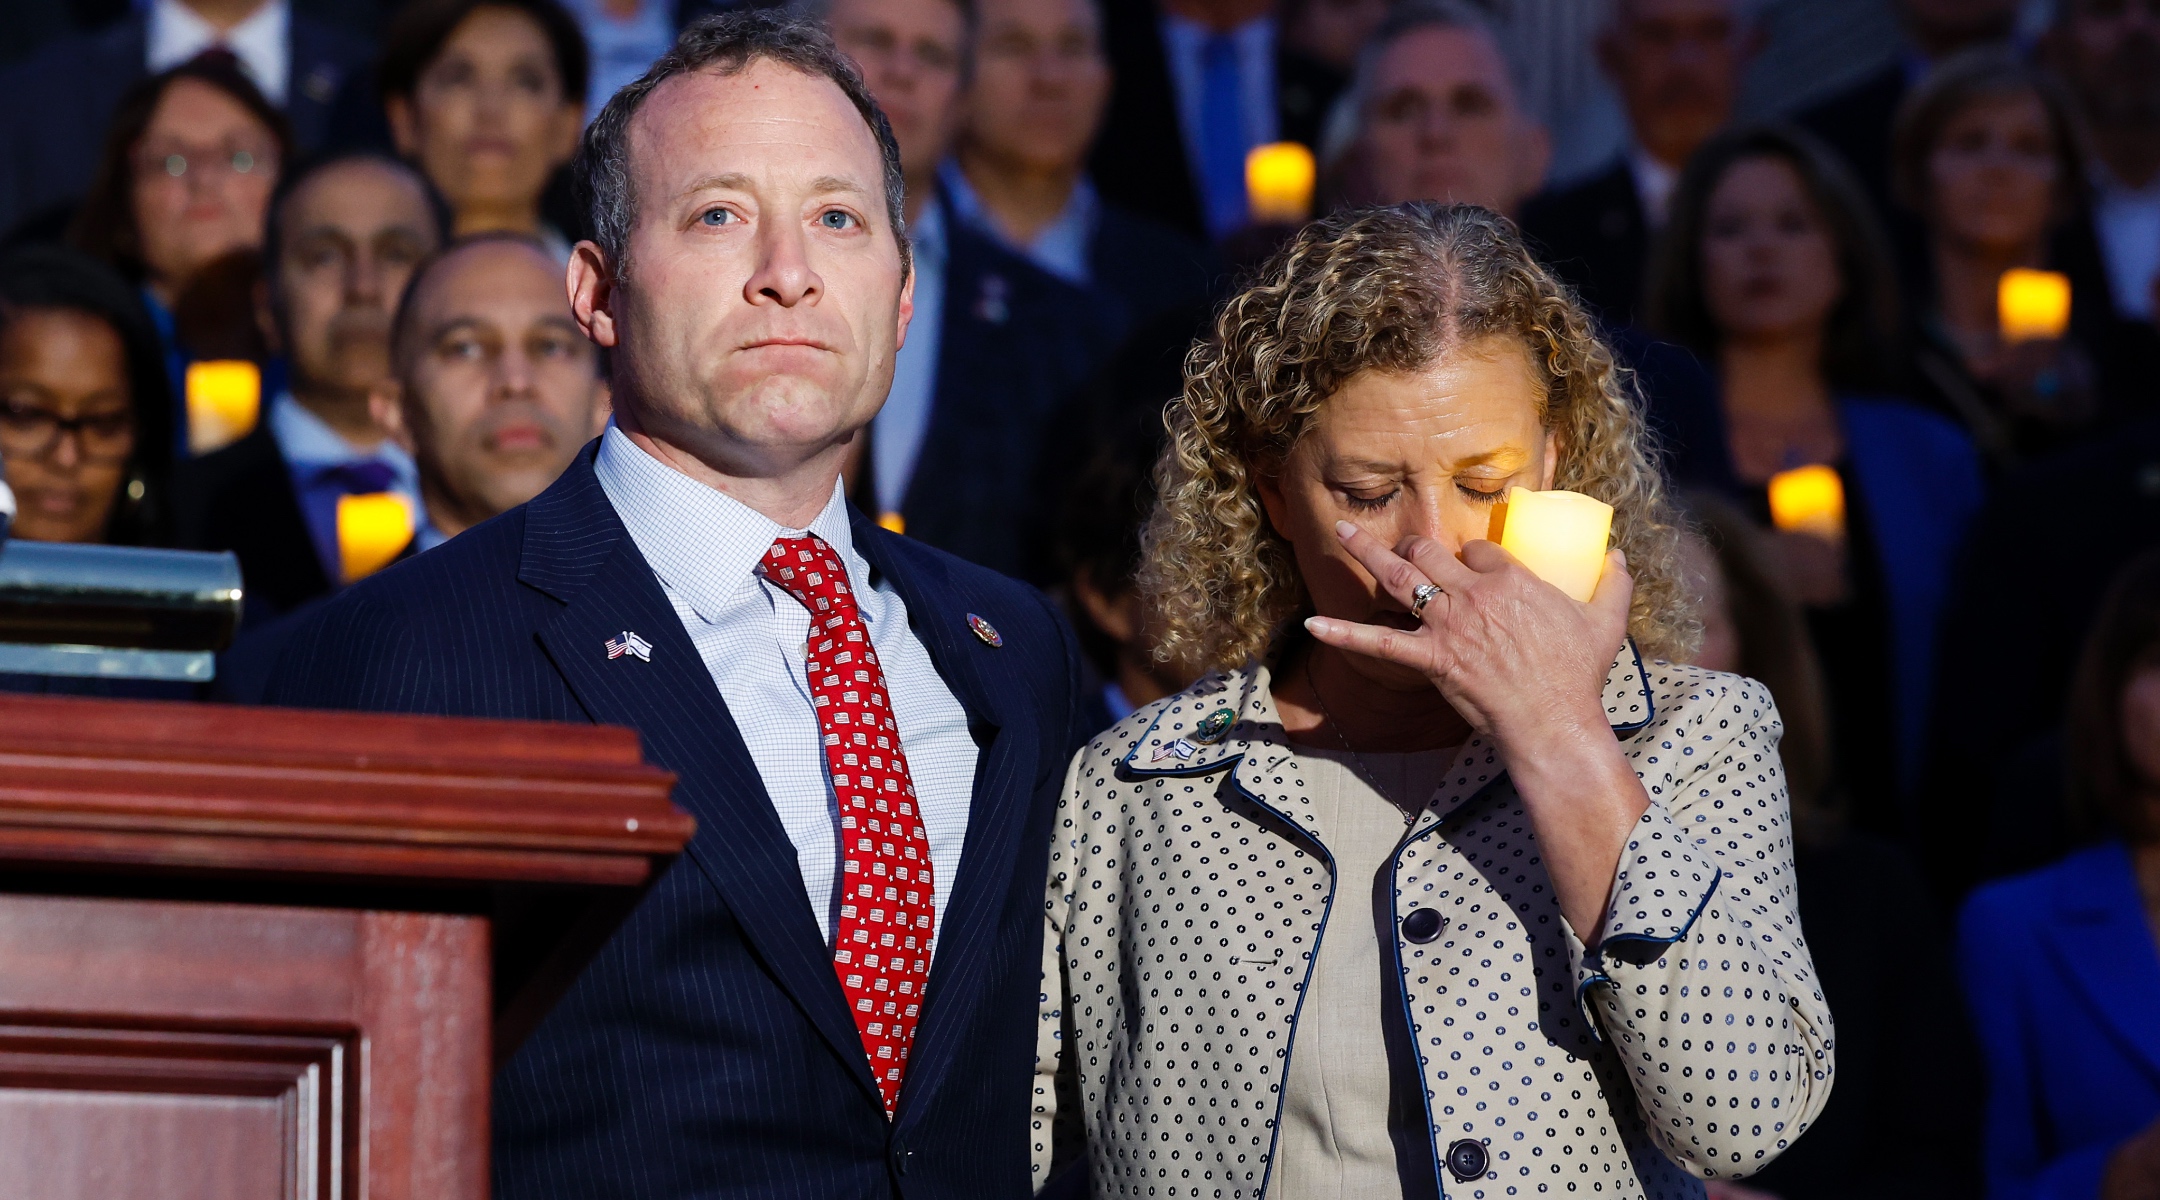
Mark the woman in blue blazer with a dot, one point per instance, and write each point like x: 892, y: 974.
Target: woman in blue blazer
x: 2060, y: 965
x: 1774, y: 279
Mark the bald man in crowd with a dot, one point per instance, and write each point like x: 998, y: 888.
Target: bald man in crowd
x: 1434, y: 114
x: 493, y: 387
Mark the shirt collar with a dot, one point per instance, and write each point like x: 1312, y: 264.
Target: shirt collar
x: 1654, y: 182
x: 177, y: 34
x: 704, y: 544
x: 1060, y: 242
x: 926, y: 235
x: 307, y: 440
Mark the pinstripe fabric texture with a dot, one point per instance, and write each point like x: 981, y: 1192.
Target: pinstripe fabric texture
x: 708, y: 1050
x: 703, y: 546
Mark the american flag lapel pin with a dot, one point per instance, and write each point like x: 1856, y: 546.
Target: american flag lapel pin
x: 630, y: 644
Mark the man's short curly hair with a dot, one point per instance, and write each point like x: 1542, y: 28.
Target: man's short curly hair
x: 1379, y: 289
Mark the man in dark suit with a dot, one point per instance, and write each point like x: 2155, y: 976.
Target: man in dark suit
x: 996, y: 341
x: 841, y: 706
x: 344, y: 235
x: 1856, y: 121
x: 1676, y: 64
x: 1035, y: 94
x: 1186, y: 107
x: 62, y: 98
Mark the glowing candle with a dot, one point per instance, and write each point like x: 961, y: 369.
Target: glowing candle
x: 224, y: 397
x: 372, y: 530
x: 2030, y: 305
x: 1809, y: 500
x: 892, y: 520
x: 1560, y: 536
x: 1279, y: 183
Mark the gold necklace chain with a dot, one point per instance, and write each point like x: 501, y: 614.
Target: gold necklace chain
x: 1357, y: 761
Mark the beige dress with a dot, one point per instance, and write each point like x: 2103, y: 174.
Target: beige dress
x: 1335, y: 1140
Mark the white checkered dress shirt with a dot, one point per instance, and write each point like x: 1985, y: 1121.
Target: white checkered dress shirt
x: 704, y: 545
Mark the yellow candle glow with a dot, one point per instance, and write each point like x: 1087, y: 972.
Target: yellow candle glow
x: 372, y: 530
x: 2030, y: 305
x: 1279, y: 183
x: 1809, y: 500
x: 1560, y: 536
x: 224, y: 398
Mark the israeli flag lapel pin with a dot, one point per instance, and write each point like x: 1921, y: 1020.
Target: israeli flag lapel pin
x: 630, y: 645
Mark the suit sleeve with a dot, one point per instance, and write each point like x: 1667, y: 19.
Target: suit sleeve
x: 1703, y: 983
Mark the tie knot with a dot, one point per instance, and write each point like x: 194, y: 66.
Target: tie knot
x: 808, y: 569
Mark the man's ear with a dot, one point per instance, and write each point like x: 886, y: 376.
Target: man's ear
x: 404, y: 130
x: 591, y: 282
x: 386, y: 405
x: 907, y: 306
x: 265, y: 317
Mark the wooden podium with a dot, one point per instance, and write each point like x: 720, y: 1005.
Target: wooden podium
x: 266, y: 953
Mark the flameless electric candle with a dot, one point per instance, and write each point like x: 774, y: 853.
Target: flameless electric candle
x: 372, y: 529
x: 1809, y: 500
x: 2030, y: 305
x: 224, y: 397
x: 1560, y: 536
x: 1279, y: 183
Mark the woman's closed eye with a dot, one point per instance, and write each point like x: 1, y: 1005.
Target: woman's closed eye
x: 1369, y: 501
x: 1482, y: 491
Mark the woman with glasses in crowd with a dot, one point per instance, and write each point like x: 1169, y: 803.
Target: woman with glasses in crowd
x: 1772, y: 272
x: 85, y: 417
x: 1443, y: 881
x: 178, y: 202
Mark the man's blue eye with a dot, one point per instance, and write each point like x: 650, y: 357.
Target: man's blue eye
x: 835, y: 219
x: 718, y: 216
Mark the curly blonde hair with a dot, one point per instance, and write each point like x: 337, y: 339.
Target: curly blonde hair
x: 1379, y: 289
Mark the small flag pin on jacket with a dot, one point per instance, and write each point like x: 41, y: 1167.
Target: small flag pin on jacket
x: 630, y: 644
x: 985, y: 630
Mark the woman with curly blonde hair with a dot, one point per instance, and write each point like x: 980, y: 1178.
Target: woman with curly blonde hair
x: 1442, y: 882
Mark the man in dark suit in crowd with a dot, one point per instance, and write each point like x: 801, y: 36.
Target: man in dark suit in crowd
x: 767, y: 1022
x: 1676, y: 64
x: 344, y: 235
x: 996, y: 341
x: 1197, y: 84
x: 1856, y: 121
x: 2108, y: 52
x: 1034, y: 102
x: 62, y: 98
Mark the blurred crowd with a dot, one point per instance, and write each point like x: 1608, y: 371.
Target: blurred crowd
x: 286, y: 279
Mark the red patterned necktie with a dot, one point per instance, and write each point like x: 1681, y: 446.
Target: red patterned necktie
x: 881, y: 949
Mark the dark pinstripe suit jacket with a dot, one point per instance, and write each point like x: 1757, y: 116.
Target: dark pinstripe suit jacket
x: 708, y: 1050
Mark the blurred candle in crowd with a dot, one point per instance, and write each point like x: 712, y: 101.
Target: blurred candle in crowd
x: 2031, y: 305
x: 1809, y: 500
x: 1279, y: 181
x: 1560, y: 536
x: 224, y: 398
x: 372, y: 530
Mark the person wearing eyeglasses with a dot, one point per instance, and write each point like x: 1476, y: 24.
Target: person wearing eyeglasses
x: 83, y: 405
x: 185, y: 179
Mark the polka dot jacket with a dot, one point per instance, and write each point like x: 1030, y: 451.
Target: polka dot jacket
x: 1188, y: 891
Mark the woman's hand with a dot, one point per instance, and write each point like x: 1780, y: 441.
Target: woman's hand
x: 2133, y: 1170
x: 1494, y: 628
x: 1525, y: 664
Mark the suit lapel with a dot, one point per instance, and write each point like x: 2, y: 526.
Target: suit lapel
x: 2101, y: 939
x: 1008, y: 755
x: 578, y: 551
